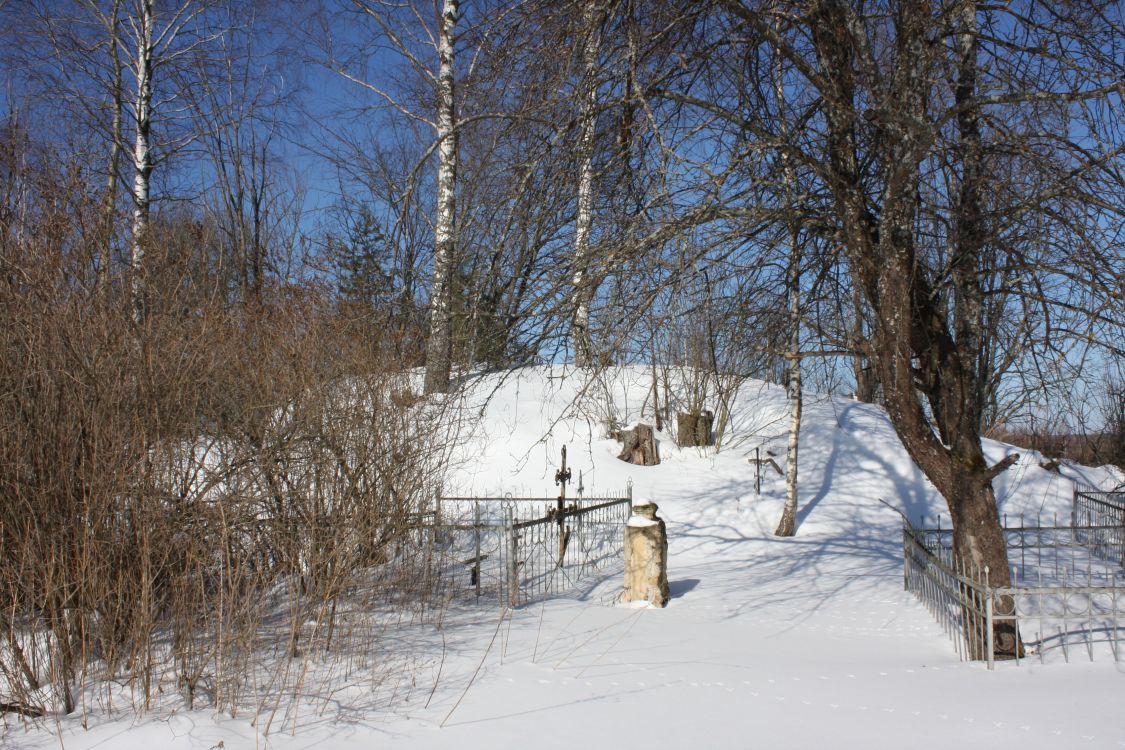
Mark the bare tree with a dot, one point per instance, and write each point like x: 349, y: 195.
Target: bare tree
x: 888, y: 116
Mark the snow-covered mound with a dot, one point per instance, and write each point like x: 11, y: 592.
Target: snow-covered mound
x: 848, y: 450
x: 800, y: 642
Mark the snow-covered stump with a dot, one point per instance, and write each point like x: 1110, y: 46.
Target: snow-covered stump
x: 646, y: 557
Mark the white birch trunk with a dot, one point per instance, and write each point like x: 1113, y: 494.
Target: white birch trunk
x: 583, y: 288
x: 440, y: 344
x: 787, y: 526
x: 142, y: 151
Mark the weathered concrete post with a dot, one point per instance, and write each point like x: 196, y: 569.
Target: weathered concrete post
x: 646, y: 557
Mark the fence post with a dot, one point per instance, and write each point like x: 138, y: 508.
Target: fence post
x: 905, y: 558
x: 476, y: 545
x: 513, y: 566
x: 757, y: 471
x: 988, y: 635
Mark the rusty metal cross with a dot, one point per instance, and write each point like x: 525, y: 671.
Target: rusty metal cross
x: 562, y: 477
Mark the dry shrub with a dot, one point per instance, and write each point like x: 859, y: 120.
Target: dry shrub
x: 183, y: 495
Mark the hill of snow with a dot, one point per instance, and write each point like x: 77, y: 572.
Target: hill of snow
x: 781, y: 643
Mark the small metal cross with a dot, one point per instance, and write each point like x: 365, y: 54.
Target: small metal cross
x: 562, y: 477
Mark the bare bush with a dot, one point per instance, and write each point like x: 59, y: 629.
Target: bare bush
x: 188, y: 494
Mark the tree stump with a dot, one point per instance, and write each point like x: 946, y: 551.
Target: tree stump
x: 639, y: 446
x: 694, y: 429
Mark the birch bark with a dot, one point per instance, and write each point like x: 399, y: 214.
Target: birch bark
x: 142, y: 151
x: 787, y: 526
x: 583, y: 286
x: 439, y: 347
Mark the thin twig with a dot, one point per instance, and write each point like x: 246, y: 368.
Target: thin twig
x: 476, y: 672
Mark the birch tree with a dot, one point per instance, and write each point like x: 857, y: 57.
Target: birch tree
x: 155, y: 40
x: 422, y: 95
x: 787, y: 526
x: 439, y: 346
x: 584, y: 289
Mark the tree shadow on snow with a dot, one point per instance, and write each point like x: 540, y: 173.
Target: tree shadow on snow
x: 911, y: 489
x: 679, y: 588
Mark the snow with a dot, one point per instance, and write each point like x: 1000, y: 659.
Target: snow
x: 781, y: 643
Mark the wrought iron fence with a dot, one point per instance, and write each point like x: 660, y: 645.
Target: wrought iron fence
x: 1106, y: 511
x: 1064, y: 593
x: 519, y: 550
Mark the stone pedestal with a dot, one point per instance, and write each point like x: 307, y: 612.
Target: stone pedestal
x: 646, y: 557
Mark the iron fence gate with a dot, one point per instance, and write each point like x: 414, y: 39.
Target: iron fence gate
x: 519, y: 550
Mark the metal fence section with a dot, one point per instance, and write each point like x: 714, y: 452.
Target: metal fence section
x: 1065, y: 594
x: 1106, y: 511
x: 518, y: 550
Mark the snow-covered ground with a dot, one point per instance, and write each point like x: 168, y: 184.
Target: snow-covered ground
x: 801, y: 642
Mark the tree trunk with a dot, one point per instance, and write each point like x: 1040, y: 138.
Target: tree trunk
x: 866, y: 384
x: 439, y: 347
x: 916, y: 350
x: 142, y: 154
x: 109, y: 207
x: 583, y: 287
x: 787, y: 525
x: 694, y: 429
x: 640, y: 446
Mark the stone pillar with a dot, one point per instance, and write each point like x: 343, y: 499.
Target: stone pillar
x: 646, y: 557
